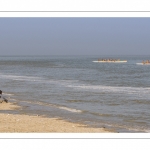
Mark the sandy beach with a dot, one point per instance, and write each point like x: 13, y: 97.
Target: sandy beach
x: 20, y: 123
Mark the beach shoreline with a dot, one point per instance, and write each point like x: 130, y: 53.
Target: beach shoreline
x: 22, y: 123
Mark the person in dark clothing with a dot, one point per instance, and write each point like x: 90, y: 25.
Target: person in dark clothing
x: 2, y: 98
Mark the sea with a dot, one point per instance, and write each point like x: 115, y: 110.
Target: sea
x: 115, y: 96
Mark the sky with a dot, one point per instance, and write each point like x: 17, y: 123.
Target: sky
x: 75, y: 36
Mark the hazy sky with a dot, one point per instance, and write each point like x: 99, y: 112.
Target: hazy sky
x: 74, y: 36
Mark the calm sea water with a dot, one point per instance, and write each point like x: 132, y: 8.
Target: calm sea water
x: 115, y: 96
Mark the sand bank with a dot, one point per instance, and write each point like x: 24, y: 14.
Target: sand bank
x: 12, y: 123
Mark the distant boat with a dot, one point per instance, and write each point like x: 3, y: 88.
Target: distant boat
x: 147, y: 62
x: 110, y: 61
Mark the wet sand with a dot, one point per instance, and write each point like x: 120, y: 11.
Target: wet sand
x: 20, y: 123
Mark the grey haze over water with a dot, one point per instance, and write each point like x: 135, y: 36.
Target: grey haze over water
x: 74, y: 36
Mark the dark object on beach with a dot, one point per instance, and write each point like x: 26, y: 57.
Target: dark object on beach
x: 3, y: 98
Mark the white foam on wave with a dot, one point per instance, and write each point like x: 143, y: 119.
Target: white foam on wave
x: 8, y: 94
x: 63, y: 83
x: 21, y: 78
x: 128, y: 90
x: 55, y: 105
x: 70, y: 109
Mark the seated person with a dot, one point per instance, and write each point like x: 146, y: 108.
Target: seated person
x: 2, y: 98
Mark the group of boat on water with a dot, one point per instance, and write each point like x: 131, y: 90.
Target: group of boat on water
x: 146, y: 62
x: 110, y: 60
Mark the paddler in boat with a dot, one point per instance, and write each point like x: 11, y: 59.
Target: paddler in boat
x: 143, y: 62
x: 147, y: 61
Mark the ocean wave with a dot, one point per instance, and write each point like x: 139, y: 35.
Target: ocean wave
x: 8, y: 94
x: 70, y: 109
x: 75, y: 84
x: 22, y: 78
x: 101, y: 88
x: 55, y: 106
x: 61, y: 107
x: 38, y: 79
